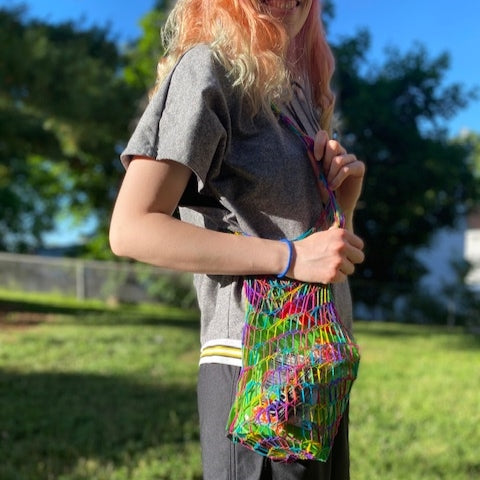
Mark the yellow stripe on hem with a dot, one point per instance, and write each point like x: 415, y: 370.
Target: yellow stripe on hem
x: 222, y: 351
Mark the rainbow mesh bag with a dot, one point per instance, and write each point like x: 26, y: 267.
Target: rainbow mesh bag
x: 298, y: 362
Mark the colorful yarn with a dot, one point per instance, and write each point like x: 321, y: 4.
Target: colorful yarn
x: 298, y: 361
x: 331, y: 208
x: 299, y: 364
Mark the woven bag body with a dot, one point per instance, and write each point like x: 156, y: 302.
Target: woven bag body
x: 299, y: 363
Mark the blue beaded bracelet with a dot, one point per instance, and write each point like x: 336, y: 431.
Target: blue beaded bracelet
x: 290, y: 256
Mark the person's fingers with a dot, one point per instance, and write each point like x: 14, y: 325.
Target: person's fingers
x: 356, y: 241
x: 352, y: 239
x: 343, y: 166
x: 355, y: 255
x: 333, y: 149
x: 320, y: 144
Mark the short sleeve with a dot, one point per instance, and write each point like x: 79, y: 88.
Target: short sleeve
x: 187, y: 120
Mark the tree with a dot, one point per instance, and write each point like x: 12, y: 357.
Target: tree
x: 418, y: 180
x: 64, y: 110
x: 67, y: 98
x: 144, y: 54
x: 472, y: 140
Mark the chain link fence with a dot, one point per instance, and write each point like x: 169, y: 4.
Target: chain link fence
x: 133, y: 282
x: 121, y: 282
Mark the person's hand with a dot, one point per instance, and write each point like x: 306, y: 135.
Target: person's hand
x: 326, y: 257
x: 343, y: 171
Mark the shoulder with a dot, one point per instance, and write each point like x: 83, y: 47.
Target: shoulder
x: 200, y: 65
x: 200, y: 81
x: 201, y: 54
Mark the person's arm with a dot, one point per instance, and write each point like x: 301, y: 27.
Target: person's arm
x: 142, y: 228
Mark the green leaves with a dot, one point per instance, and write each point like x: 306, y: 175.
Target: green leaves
x: 144, y: 54
x: 64, y: 110
x: 418, y: 180
x: 68, y: 96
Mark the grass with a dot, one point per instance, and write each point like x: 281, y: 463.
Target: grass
x: 416, y: 405
x: 88, y: 392
x: 98, y: 395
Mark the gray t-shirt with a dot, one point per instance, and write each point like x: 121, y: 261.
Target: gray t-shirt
x: 250, y: 175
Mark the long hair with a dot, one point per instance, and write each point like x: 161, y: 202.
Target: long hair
x: 254, y: 48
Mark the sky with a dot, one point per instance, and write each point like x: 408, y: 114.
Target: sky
x: 440, y: 25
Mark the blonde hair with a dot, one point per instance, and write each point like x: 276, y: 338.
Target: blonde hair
x: 254, y: 48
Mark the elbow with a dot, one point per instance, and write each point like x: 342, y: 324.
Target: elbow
x: 118, y: 239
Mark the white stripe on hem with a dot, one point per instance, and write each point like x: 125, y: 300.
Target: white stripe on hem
x: 225, y: 342
x: 234, y: 362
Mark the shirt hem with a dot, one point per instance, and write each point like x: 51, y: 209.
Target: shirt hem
x: 225, y: 351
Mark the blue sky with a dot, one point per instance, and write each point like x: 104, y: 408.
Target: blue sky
x: 440, y: 25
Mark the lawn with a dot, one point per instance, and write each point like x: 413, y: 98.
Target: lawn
x: 91, y: 393
x: 415, y: 411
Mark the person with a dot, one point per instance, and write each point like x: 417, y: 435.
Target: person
x: 209, y: 143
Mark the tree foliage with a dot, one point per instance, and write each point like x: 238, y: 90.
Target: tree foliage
x: 68, y: 96
x: 418, y: 180
x: 472, y: 140
x: 144, y: 54
x: 64, y: 109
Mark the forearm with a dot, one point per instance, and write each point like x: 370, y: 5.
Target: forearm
x: 349, y: 221
x: 161, y: 240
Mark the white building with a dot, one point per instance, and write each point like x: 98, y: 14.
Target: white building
x: 472, y: 250
x: 450, y: 247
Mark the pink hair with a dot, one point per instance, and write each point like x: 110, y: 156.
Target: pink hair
x: 253, y: 47
x: 317, y: 63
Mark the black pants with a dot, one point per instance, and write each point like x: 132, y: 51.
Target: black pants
x: 224, y: 460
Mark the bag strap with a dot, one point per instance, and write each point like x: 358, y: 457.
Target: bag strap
x: 332, y: 210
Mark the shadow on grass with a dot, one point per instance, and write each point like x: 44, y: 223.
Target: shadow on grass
x: 49, y: 421
x: 30, y: 306
x: 25, y: 313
